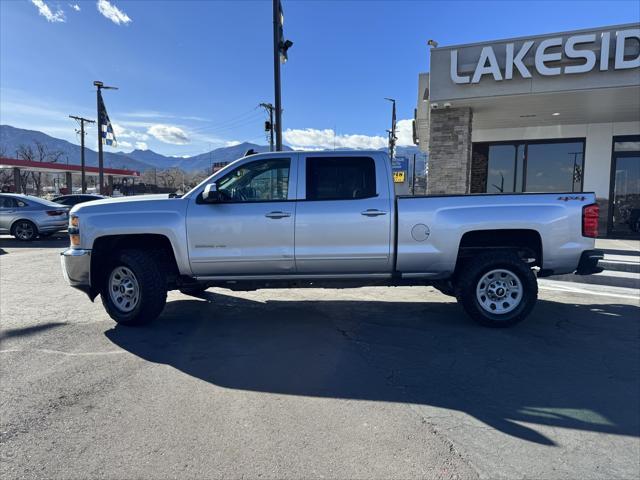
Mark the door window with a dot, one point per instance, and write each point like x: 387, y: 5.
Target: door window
x: 260, y: 181
x: 340, y: 178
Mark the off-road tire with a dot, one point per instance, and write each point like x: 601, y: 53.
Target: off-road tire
x: 473, y: 271
x: 152, y: 284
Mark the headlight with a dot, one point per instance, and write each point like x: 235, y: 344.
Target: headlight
x: 74, y: 231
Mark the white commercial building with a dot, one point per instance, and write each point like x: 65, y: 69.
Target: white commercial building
x: 556, y: 112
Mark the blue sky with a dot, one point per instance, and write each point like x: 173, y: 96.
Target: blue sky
x: 192, y: 72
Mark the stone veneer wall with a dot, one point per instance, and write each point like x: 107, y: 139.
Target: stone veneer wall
x: 449, y: 151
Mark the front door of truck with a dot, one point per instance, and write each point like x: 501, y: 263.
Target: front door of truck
x: 250, y: 230
x: 343, y: 219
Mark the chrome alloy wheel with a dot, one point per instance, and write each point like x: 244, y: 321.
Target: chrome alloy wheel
x: 499, y: 291
x: 124, y: 289
x: 25, y: 231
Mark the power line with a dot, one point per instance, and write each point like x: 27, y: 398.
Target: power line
x: 229, y: 125
x: 237, y: 119
x: 228, y: 130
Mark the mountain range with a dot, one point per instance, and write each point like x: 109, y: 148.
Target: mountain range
x: 11, y: 138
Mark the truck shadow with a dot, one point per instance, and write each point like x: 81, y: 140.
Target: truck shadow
x: 568, y: 366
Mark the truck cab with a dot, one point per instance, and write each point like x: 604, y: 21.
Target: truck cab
x: 293, y: 213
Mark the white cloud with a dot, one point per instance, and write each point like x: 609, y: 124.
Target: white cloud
x: 46, y: 12
x: 169, y: 134
x: 314, y: 139
x: 123, y: 144
x: 404, y: 132
x: 112, y: 12
x: 122, y: 132
x: 75, y: 6
x: 158, y: 115
x: 142, y: 146
x: 232, y: 143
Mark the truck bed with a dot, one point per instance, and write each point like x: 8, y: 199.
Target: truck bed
x: 430, y: 229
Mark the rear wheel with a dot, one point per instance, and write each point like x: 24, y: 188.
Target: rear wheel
x: 497, y: 289
x: 134, y: 290
x: 24, y: 230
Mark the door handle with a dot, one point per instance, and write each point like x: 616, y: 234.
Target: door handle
x: 277, y: 215
x: 372, y: 212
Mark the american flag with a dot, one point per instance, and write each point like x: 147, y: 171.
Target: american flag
x: 108, y: 137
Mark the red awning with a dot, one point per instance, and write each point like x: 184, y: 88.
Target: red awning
x: 62, y: 167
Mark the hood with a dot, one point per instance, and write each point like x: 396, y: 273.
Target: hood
x: 124, y: 203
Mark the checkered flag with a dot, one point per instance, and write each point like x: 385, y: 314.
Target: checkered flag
x: 107, y: 135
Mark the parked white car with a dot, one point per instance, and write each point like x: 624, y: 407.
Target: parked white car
x: 327, y: 219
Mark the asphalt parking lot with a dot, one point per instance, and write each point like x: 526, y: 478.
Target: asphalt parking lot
x: 356, y: 383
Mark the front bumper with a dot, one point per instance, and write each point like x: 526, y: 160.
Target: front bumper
x: 589, y: 262
x: 76, y: 268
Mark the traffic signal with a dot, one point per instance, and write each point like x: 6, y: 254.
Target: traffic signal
x: 284, y: 47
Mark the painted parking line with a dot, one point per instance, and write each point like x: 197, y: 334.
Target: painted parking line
x: 587, y: 289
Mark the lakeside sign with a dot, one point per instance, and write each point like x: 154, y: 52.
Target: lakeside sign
x: 583, y: 48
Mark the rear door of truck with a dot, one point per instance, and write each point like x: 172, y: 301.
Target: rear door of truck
x: 344, y: 214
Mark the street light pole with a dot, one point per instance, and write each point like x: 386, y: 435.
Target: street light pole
x: 277, y: 26
x: 280, y: 48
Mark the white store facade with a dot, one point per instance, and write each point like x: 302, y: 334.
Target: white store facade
x: 548, y: 113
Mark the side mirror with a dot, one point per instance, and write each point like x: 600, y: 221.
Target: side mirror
x: 210, y: 194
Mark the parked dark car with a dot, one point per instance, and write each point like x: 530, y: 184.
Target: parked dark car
x: 71, y: 200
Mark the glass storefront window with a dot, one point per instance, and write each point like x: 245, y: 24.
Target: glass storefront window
x: 501, y: 169
x: 554, y: 167
x: 533, y: 166
x: 624, y: 209
x: 628, y: 145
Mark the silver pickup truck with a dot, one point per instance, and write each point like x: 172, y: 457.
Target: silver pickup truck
x: 327, y: 219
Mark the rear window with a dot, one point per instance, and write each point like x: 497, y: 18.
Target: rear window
x: 7, y: 202
x: 340, y: 178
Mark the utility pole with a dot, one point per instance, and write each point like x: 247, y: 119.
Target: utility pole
x: 280, y: 48
x: 269, y: 125
x: 82, y: 173
x: 392, y: 132
x: 101, y: 86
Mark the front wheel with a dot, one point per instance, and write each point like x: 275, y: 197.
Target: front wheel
x: 134, y: 289
x: 497, y: 289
